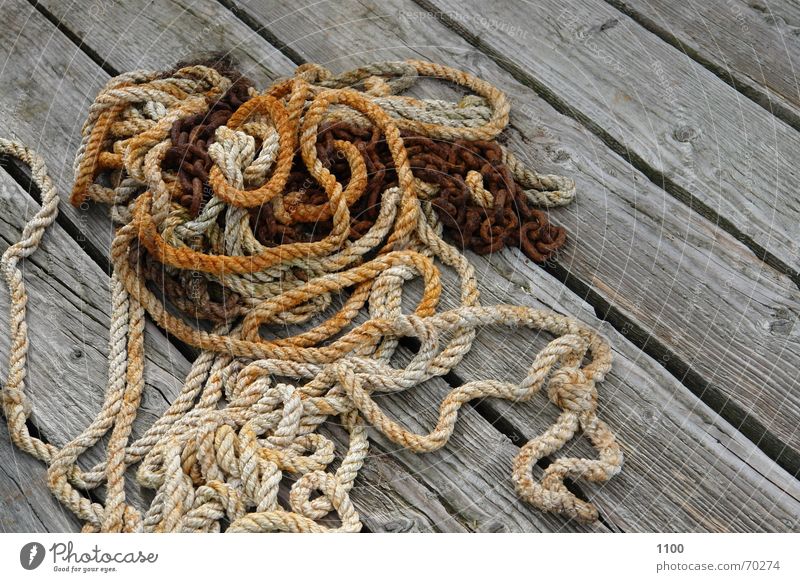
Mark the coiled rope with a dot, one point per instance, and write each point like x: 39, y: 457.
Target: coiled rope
x: 230, y: 209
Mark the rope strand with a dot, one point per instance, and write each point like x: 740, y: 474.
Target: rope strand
x: 258, y: 211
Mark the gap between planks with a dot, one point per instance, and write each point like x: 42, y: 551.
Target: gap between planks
x: 319, y: 11
x: 67, y: 343
x: 756, y: 429
x: 657, y: 177
x: 743, y: 78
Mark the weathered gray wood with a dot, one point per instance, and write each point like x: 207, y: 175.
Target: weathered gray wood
x: 686, y: 469
x: 26, y: 504
x: 642, y: 251
x: 472, y: 473
x: 753, y: 45
x: 391, y: 499
x: 642, y: 500
x: 176, y: 31
x: 487, y: 465
x: 46, y: 94
x: 670, y: 115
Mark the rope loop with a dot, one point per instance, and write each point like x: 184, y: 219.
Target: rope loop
x: 304, y: 240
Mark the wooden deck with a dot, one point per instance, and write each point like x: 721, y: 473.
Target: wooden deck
x: 680, y: 127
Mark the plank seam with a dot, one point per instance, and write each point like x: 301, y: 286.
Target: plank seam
x: 762, y: 98
x: 735, y: 415
x: 22, y: 492
x: 21, y: 176
x: 262, y: 31
x: 506, y: 428
x: 74, y: 38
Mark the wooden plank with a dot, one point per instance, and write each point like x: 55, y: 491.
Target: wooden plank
x: 39, y: 106
x: 753, y: 46
x: 391, y: 499
x: 177, y: 31
x: 650, y: 257
x: 486, y: 466
x: 639, y: 391
x: 717, y: 151
x: 686, y: 469
x: 26, y: 504
x: 472, y: 473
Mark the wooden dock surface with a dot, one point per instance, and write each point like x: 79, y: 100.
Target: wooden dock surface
x: 681, y: 128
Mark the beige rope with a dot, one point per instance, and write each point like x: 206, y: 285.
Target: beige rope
x: 225, y: 445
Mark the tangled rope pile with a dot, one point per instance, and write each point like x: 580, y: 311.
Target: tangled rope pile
x: 251, y: 211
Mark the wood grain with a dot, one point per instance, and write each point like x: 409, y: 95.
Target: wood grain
x: 686, y: 520
x: 686, y: 469
x: 752, y: 45
x: 642, y: 252
x: 26, y: 504
x: 68, y: 327
x: 713, y: 148
x: 715, y: 314
x: 68, y: 321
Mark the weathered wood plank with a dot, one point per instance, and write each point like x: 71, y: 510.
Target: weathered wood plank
x: 46, y: 94
x: 668, y: 113
x: 26, y: 504
x: 486, y: 466
x: 391, y: 499
x: 471, y: 474
x: 646, y: 254
x: 176, y: 30
x: 641, y: 500
x: 686, y: 469
x: 753, y: 45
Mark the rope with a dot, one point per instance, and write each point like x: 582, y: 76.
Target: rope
x: 310, y: 204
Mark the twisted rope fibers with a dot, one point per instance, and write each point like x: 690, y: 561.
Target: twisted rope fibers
x: 250, y: 409
x: 468, y: 183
